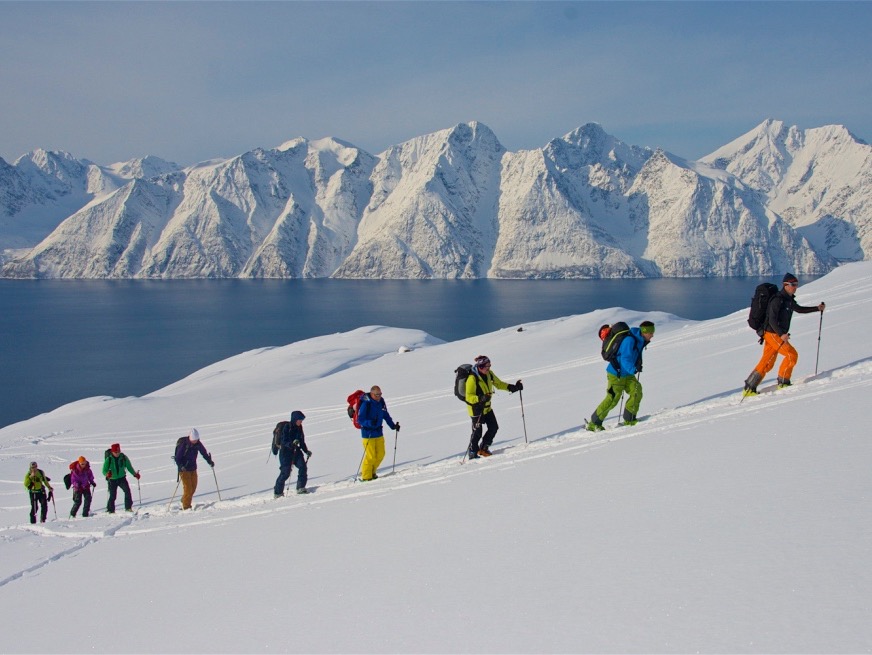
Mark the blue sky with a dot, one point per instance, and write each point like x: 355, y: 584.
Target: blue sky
x: 189, y: 81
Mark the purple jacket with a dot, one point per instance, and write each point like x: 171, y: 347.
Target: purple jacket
x: 81, y: 479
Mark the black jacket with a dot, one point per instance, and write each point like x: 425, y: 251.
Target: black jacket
x: 780, y: 311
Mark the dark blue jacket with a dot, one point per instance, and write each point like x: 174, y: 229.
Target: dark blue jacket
x: 370, y: 416
x: 186, y: 454
x: 629, y: 354
x: 294, y: 433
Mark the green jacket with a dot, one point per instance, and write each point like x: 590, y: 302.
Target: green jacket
x: 117, y: 465
x: 479, y: 390
x: 35, y: 483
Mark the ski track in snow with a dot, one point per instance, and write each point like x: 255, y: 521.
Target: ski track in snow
x: 158, y: 517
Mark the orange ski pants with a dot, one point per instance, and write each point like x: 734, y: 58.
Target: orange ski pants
x: 772, y: 347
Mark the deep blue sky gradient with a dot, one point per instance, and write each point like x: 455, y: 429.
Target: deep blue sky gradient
x: 189, y: 81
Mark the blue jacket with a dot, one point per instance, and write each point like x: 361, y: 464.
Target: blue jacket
x: 370, y: 416
x: 629, y: 354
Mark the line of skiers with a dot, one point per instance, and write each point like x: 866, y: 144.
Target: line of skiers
x: 81, y: 480
x: 622, y: 347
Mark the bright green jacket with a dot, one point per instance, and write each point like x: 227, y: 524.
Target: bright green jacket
x: 36, y: 482
x: 479, y: 389
x: 117, y: 465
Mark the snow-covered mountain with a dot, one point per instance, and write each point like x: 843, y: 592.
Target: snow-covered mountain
x: 42, y: 188
x: 456, y: 204
x: 819, y: 180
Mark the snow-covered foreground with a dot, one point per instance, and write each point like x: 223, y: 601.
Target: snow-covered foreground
x: 711, y: 526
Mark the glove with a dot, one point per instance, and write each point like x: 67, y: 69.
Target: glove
x: 109, y: 475
x: 308, y: 453
x: 212, y: 463
x: 136, y: 475
x: 639, y: 368
x: 397, y: 427
x: 50, y: 495
x: 94, y: 484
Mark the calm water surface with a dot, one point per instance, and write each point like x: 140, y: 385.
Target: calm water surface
x: 63, y: 340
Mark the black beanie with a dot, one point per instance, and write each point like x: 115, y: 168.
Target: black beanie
x: 789, y: 277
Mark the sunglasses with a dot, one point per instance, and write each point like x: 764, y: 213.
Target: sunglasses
x: 792, y: 284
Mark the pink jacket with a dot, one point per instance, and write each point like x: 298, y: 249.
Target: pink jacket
x: 81, y: 478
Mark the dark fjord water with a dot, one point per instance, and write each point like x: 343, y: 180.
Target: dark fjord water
x: 63, y: 340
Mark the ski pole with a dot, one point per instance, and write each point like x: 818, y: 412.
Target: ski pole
x: 216, y: 482
x: 523, y: 418
x: 357, y: 473
x: 474, y: 428
x: 817, y: 357
x: 173, y: 497
x: 139, y: 491
x: 396, y: 434
x: 51, y: 497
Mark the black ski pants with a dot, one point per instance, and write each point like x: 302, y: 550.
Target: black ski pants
x: 38, y: 501
x: 78, y: 496
x: 114, y: 486
x: 488, y: 420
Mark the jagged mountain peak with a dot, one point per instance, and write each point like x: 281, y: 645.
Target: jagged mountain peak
x: 143, y: 167
x: 590, y: 145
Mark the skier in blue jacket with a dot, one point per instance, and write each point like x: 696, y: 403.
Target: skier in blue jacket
x: 373, y: 411
x: 622, y: 377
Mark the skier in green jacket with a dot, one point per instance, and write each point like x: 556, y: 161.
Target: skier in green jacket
x: 114, y: 470
x: 36, y: 482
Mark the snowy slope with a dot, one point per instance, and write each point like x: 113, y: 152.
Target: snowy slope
x: 711, y: 526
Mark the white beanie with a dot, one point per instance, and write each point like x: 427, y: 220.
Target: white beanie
x: 194, y: 435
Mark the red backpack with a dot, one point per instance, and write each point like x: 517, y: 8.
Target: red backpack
x: 354, y: 406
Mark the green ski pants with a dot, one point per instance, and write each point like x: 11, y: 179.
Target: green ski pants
x: 616, y: 388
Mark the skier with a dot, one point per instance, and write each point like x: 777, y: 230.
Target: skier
x: 114, y: 466
x: 479, y: 389
x: 187, y: 449
x: 36, y: 482
x: 81, y: 482
x: 621, y: 376
x: 776, y: 336
x: 373, y: 410
x: 291, y: 449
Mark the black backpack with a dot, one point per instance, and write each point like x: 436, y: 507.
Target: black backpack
x: 178, y: 443
x: 278, y: 432
x: 68, y: 480
x: 461, y: 374
x: 763, y: 294
x: 612, y: 342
